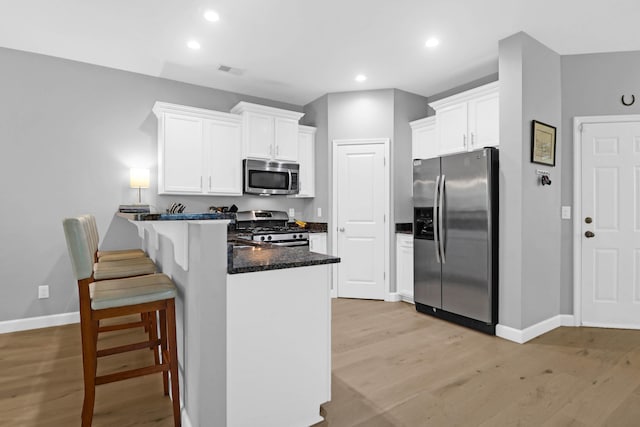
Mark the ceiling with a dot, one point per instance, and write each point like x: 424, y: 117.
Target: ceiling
x: 297, y: 50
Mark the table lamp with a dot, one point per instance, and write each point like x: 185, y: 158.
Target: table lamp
x: 139, y: 178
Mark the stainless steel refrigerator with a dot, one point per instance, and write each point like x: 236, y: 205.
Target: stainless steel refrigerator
x: 455, y: 228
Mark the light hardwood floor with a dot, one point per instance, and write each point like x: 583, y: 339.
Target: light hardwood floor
x: 391, y: 367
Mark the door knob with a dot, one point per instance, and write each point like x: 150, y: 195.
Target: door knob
x: 589, y: 234
x: 341, y: 229
x: 588, y: 220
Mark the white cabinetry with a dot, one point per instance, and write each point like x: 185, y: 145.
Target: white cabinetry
x: 423, y: 137
x: 404, y: 266
x: 199, y: 151
x: 268, y: 133
x: 306, y: 158
x: 318, y: 243
x: 469, y: 120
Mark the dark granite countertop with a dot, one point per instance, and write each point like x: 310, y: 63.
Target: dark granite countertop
x: 177, y: 216
x: 267, y: 257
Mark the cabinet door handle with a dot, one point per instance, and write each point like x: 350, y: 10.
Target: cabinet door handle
x: 209, y: 183
x: 472, y: 139
x: 464, y: 140
x: 201, y: 182
x: 277, y: 149
x: 270, y: 150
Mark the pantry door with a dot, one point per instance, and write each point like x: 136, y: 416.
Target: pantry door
x: 609, y: 224
x: 361, y: 208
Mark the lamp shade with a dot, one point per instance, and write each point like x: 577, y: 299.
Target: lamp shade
x: 139, y: 178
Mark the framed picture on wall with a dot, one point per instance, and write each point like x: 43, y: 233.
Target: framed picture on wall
x: 543, y: 143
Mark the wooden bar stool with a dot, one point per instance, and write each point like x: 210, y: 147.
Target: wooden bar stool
x: 114, y: 255
x: 152, y: 293
x: 118, y: 265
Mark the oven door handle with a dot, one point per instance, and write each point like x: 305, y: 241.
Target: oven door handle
x: 291, y: 243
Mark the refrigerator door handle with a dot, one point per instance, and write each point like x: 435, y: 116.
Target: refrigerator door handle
x: 435, y: 226
x: 440, y: 225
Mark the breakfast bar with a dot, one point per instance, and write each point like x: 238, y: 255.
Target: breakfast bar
x: 254, y: 322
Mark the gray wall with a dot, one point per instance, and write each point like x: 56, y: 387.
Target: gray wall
x: 407, y: 107
x: 358, y: 115
x: 591, y: 86
x: 316, y: 114
x: 384, y: 113
x: 70, y: 132
x: 530, y: 239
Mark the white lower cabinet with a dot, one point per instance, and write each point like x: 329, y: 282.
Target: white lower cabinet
x: 199, y: 151
x: 318, y: 243
x: 404, y: 266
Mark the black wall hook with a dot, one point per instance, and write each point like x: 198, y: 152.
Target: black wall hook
x: 633, y: 99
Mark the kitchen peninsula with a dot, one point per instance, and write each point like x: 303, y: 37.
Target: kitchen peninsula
x: 254, y: 323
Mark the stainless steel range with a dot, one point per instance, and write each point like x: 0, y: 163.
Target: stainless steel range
x: 271, y: 227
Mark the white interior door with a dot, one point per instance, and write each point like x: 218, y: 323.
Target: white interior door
x: 610, y: 291
x: 361, y: 204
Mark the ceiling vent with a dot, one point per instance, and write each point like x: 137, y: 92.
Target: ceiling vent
x: 230, y: 70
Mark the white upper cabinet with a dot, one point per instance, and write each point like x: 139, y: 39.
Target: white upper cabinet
x: 469, y: 120
x: 180, y: 156
x: 268, y: 133
x: 306, y: 158
x: 223, y: 150
x: 199, y: 151
x: 484, y: 120
x: 423, y: 138
x: 286, y: 145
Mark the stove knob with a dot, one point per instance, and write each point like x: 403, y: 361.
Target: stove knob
x: 262, y: 238
x: 268, y: 237
x: 300, y: 236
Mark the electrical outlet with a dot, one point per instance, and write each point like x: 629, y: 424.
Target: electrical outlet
x: 43, y: 291
x: 319, y: 213
x: 292, y: 212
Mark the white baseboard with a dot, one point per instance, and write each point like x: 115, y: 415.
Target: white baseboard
x: 186, y: 422
x: 610, y: 325
x: 393, y: 297
x: 521, y: 336
x: 17, y: 325
x: 406, y: 298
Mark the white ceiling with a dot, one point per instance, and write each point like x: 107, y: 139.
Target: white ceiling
x: 297, y: 50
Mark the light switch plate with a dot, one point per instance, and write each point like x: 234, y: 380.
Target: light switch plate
x: 319, y: 213
x: 292, y: 212
x: 566, y: 212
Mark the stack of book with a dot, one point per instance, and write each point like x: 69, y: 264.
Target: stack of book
x: 134, y: 208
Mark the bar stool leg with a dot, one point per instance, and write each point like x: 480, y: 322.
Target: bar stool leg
x: 163, y: 346
x: 90, y: 364
x: 153, y: 335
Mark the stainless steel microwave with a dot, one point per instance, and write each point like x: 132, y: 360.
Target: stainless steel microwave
x: 266, y: 177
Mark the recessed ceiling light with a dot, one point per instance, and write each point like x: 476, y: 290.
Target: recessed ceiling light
x: 211, y: 16
x: 432, y: 42
x: 361, y: 78
x: 192, y: 44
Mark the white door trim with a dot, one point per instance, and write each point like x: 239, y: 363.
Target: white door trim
x: 334, y: 208
x: 577, y: 202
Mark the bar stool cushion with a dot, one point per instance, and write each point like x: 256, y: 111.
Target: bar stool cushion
x: 121, y: 254
x: 123, y: 268
x: 131, y: 291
